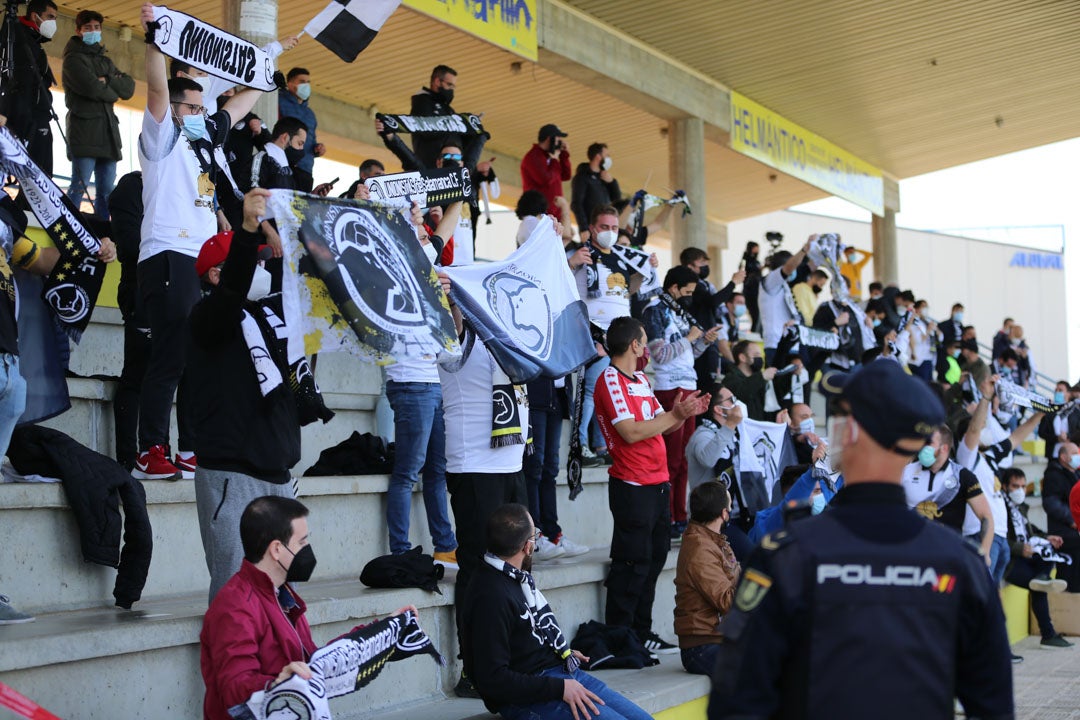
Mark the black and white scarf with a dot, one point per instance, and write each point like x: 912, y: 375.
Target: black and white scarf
x: 545, y: 628
x: 267, y: 338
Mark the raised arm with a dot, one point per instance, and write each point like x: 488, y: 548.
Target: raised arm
x: 157, y: 79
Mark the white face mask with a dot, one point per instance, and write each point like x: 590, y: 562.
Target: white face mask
x: 1018, y: 496
x: 607, y: 238
x: 260, y: 284
x: 429, y: 251
x: 47, y: 28
x: 606, y: 164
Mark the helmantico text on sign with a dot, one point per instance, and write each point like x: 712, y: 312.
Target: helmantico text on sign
x: 772, y: 139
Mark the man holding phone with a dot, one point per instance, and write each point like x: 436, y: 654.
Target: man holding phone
x: 547, y: 164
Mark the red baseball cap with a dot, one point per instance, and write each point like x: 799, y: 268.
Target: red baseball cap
x: 216, y: 249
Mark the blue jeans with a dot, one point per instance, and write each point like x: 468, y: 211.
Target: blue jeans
x: 588, y: 407
x: 999, y: 556
x: 419, y: 446
x: 12, y: 398
x: 615, y: 706
x: 541, y: 468
x: 700, y: 660
x: 104, y: 171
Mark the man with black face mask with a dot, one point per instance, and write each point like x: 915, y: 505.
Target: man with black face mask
x: 255, y: 632
x: 747, y: 380
x: 431, y: 101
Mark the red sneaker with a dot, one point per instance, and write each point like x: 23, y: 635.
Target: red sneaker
x: 153, y: 464
x: 186, y: 466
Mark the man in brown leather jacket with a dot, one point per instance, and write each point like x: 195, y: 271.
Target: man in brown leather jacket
x: 705, y: 578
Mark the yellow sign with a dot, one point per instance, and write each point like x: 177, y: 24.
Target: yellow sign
x: 772, y: 139
x: 510, y: 24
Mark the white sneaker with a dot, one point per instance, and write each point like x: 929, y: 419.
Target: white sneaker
x: 1046, y: 585
x: 571, y: 548
x: 547, y: 550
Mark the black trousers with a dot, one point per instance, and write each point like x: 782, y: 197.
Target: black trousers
x: 473, y: 498
x: 168, y: 289
x: 128, y: 391
x: 1022, y: 571
x: 639, y: 546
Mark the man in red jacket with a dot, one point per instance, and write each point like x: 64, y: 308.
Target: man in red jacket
x: 255, y: 632
x: 547, y: 165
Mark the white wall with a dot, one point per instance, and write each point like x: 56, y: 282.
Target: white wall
x: 943, y: 269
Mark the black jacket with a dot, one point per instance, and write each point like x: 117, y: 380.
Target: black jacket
x: 126, y: 212
x: 240, y: 148
x: 238, y: 428
x: 95, y: 485
x: 1046, y: 430
x: 865, y: 605
x: 589, y: 192
x: 427, y: 145
x: 1056, y: 485
x: 500, y: 652
x: 27, y: 101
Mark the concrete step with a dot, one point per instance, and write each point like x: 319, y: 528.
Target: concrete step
x: 108, y: 663
x: 348, y: 515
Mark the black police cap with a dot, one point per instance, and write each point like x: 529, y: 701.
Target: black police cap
x: 887, y: 403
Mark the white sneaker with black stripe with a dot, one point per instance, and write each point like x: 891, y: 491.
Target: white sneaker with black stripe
x: 657, y: 645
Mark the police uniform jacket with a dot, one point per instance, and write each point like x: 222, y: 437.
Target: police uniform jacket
x: 866, y: 610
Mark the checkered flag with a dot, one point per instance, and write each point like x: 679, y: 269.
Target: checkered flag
x: 346, y: 27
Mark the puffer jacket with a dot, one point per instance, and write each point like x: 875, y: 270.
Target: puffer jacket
x: 705, y: 580
x: 92, y: 128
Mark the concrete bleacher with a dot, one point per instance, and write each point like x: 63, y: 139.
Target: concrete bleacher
x: 84, y: 658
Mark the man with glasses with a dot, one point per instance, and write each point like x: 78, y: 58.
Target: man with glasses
x: 866, y: 604
x: 176, y: 149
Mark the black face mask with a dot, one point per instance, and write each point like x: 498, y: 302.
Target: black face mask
x: 703, y: 272
x: 684, y: 302
x: 446, y: 95
x: 303, y: 564
x: 293, y: 155
x: 817, y: 289
x: 757, y: 364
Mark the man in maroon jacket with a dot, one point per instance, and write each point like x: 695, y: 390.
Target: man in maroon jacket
x: 547, y: 165
x: 255, y: 631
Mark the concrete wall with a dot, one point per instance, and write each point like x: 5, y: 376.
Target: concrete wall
x: 943, y: 269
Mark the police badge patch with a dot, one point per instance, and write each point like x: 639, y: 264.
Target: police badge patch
x: 752, y: 590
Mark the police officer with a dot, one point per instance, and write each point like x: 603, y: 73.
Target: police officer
x: 867, y: 609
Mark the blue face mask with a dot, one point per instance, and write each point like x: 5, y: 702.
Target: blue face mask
x: 303, y: 91
x: 877, y: 322
x: 194, y: 126
x: 794, y: 274
x: 817, y: 504
x: 1074, y: 462
x: 958, y: 317
x: 1059, y: 398
x: 806, y: 426
x: 92, y: 38
x: 955, y: 354
x: 740, y: 310
x: 927, y: 456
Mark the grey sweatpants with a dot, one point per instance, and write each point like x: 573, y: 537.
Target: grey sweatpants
x: 220, y: 498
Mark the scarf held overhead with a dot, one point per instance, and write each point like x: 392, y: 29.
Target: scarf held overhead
x: 342, y: 667
x: 428, y: 187
x: 459, y: 124
x: 357, y: 279
x: 213, y: 50
x: 71, y: 291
